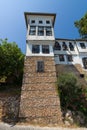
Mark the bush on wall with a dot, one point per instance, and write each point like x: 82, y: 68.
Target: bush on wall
x: 73, y: 96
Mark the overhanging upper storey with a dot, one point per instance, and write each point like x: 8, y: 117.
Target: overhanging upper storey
x: 40, y: 26
x: 28, y: 16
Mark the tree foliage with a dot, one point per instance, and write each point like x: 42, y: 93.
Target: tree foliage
x: 73, y: 96
x: 82, y: 26
x: 11, y: 61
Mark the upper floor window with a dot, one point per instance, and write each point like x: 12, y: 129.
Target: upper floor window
x: 48, y: 31
x: 64, y: 46
x: 35, y: 49
x: 61, y: 58
x: 47, y: 22
x: 40, y: 66
x: 85, y: 62
x: 32, y: 21
x: 40, y: 30
x: 40, y: 21
x: 32, y: 30
x: 69, y: 58
x: 82, y: 45
x: 57, y: 46
x: 71, y: 46
x: 45, y: 49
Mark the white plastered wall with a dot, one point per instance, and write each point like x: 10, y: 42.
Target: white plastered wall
x: 37, y: 19
x: 29, y: 48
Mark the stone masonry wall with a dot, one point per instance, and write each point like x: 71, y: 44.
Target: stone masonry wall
x: 40, y: 102
x: 9, y: 107
x: 75, y: 69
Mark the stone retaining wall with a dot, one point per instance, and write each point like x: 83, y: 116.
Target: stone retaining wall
x: 9, y: 108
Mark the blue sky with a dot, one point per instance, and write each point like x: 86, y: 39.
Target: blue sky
x: 12, y: 23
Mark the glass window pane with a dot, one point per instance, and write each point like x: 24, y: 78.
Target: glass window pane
x: 47, y: 22
x: 48, y: 31
x: 64, y: 46
x: 35, y: 49
x: 71, y: 46
x: 57, y: 46
x: 32, y: 30
x: 61, y: 58
x: 40, y: 21
x: 45, y: 49
x: 69, y: 58
x: 40, y: 30
x: 82, y: 45
x: 85, y: 62
x: 32, y: 21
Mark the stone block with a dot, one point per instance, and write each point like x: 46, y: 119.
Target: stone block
x: 39, y: 86
x: 38, y: 94
x: 39, y: 102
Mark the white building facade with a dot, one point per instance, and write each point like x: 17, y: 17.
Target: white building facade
x: 40, y: 41
x: 69, y: 51
x: 40, y: 34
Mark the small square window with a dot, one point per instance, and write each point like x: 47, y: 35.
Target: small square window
x: 35, y: 49
x: 47, y: 22
x: 40, y: 66
x: 61, y: 58
x: 69, y: 58
x: 82, y: 75
x: 45, y: 49
x: 40, y: 22
x: 32, y: 21
x: 82, y: 45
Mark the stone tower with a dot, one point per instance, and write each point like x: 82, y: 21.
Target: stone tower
x: 40, y: 102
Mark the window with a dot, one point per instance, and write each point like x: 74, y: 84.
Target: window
x: 82, y: 45
x: 32, y: 21
x: 57, y: 46
x: 47, y: 22
x: 32, y: 30
x: 40, y: 66
x: 64, y: 46
x: 35, y: 49
x: 85, y: 62
x: 40, y: 22
x: 61, y: 57
x: 45, y: 49
x: 48, y: 31
x: 69, y: 58
x: 82, y: 75
x: 71, y: 46
x: 40, y: 31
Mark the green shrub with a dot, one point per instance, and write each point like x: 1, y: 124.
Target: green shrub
x: 73, y: 96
